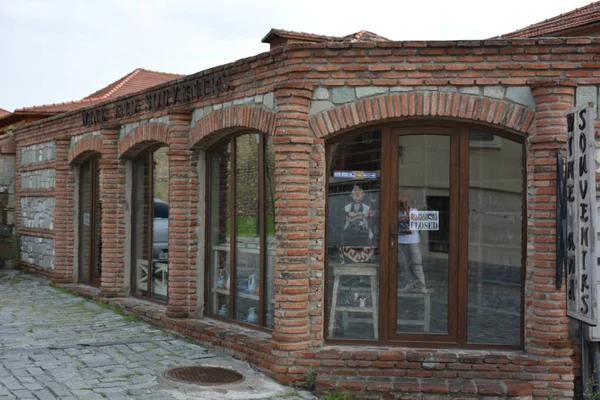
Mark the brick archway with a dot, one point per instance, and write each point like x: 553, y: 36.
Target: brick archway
x: 230, y: 119
x: 84, y: 147
x: 423, y: 104
x: 141, y: 137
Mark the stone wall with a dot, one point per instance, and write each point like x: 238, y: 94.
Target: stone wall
x: 37, y: 153
x: 37, y: 212
x: 38, y: 179
x: 37, y: 251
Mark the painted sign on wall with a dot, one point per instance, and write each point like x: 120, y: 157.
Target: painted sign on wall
x: 581, y: 207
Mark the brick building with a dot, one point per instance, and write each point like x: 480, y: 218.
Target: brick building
x: 379, y: 214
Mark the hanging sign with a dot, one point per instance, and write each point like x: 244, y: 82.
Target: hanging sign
x: 424, y: 220
x: 581, y: 215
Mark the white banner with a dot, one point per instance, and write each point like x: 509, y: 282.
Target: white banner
x: 581, y: 215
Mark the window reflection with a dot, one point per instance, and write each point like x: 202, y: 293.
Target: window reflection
x: 241, y: 215
x: 495, y: 237
x: 151, y: 224
x: 354, y: 167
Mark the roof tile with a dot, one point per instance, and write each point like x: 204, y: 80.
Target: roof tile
x: 554, y: 26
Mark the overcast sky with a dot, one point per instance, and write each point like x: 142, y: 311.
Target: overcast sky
x: 62, y: 50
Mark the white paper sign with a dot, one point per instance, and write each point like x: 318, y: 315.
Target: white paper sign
x: 424, y: 220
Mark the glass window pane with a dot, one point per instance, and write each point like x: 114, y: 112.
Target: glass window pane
x: 140, y: 225
x: 423, y: 233
x: 495, y: 235
x: 219, y: 225
x: 96, y: 223
x: 354, y: 166
x: 160, y: 224
x: 85, y: 224
x: 247, y: 225
x: 269, y: 292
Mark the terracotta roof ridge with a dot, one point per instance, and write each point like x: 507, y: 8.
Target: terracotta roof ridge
x: 122, y: 82
x: 129, y: 77
x: 33, y: 108
x: 560, y: 20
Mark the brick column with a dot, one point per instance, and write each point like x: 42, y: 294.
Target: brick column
x: 64, y: 226
x: 112, y: 201
x: 183, y: 183
x: 546, y: 322
x: 292, y: 145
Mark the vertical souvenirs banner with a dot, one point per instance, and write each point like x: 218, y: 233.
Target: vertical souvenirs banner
x: 581, y: 215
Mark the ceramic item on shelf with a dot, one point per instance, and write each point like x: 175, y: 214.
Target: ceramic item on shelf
x: 252, y: 283
x: 252, y: 316
x: 223, y: 311
x: 220, y: 278
x: 362, y: 301
x: 228, y: 282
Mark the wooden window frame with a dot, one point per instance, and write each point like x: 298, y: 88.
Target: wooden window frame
x: 263, y: 262
x: 95, y: 223
x: 459, y: 222
x: 147, y: 153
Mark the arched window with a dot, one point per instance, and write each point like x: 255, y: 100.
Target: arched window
x: 90, y: 267
x: 425, y: 236
x: 240, y: 230
x: 150, y: 210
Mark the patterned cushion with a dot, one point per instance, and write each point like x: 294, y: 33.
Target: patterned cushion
x: 352, y: 254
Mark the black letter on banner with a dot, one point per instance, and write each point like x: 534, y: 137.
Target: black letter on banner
x: 583, y: 187
x: 584, y: 235
x: 582, y: 118
x: 571, y: 292
x: 571, y: 169
x: 570, y: 123
x: 582, y: 142
x: 584, y: 308
x: 571, y: 241
x: 570, y: 195
x: 584, y: 284
x: 583, y: 165
x: 583, y: 260
x: 571, y: 265
x: 570, y: 145
x: 584, y: 217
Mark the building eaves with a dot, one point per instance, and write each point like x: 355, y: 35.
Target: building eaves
x: 577, y: 18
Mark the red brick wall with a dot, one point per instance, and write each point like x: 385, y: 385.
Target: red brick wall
x: 551, y: 67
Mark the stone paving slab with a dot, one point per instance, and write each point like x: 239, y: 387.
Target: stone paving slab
x: 54, y: 345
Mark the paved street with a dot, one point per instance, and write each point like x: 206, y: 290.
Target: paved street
x: 54, y: 345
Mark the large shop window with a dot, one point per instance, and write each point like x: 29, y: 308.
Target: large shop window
x: 151, y: 224
x: 425, y: 237
x: 90, y: 267
x: 241, y: 228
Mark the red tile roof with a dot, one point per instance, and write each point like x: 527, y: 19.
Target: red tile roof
x: 361, y: 36
x: 4, y: 113
x: 132, y: 82
x: 578, y: 18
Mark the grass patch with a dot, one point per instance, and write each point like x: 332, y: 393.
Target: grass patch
x: 339, y: 396
x: 30, y: 330
x: 64, y: 290
x: 120, y: 311
x: 309, y: 378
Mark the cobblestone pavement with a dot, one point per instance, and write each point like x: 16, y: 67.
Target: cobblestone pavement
x: 54, y: 345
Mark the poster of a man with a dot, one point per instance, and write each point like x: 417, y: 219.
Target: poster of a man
x: 357, y: 231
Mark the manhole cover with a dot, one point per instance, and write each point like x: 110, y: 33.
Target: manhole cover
x: 198, y: 375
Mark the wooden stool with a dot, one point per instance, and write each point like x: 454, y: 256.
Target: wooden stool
x: 340, y: 270
x: 425, y: 295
